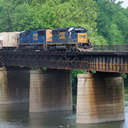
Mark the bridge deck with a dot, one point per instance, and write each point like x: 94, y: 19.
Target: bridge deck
x: 97, y: 59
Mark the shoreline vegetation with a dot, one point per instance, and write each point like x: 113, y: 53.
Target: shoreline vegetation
x: 126, y: 96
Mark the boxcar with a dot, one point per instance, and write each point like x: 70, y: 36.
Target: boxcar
x: 9, y: 39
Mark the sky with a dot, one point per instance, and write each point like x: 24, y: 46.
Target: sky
x: 125, y: 3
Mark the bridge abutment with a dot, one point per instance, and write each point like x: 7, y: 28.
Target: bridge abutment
x: 100, y: 98
x: 50, y: 90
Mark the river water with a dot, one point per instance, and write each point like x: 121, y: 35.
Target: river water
x: 17, y: 116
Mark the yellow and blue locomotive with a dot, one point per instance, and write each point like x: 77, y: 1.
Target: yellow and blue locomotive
x: 73, y: 37
x: 59, y: 38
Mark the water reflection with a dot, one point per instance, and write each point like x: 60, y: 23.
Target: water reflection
x: 49, y: 120
x: 17, y: 116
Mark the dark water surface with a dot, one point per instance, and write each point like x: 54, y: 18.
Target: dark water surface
x: 17, y: 116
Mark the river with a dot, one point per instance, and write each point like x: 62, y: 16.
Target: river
x: 17, y: 116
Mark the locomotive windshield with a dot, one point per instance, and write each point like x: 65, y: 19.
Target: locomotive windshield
x: 77, y: 29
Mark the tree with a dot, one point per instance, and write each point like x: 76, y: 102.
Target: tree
x: 112, y: 22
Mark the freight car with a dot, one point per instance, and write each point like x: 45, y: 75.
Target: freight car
x: 9, y: 39
x: 48, y: 39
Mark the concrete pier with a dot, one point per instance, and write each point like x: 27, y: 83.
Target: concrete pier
x: 100, y: 98
x: 18, y: 85
x: 3, y: 85
x: 13, y: 86
x: 50, y: 90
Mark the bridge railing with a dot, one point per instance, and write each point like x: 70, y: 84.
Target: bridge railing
x: 116, y: 48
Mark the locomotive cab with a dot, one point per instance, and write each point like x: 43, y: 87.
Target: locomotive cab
x: 80, y: 37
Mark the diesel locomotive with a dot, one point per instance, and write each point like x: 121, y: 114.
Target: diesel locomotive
x: 49, y: 39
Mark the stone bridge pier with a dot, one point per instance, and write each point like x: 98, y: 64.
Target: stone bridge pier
x: 50, y: 90
x: 100, y: 98
x: 14, y: 89
x: 44, y: 91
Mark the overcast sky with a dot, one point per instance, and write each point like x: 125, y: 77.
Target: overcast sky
x: 125, y: 4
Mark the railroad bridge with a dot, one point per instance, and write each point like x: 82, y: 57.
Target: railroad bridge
x: 99, y: 95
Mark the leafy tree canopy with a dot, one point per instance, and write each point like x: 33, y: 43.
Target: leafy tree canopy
x: 106, y: 20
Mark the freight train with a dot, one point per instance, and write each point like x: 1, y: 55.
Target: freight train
x: 48, y: 39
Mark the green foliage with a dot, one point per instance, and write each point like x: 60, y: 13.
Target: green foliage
x: 76, y: 72
x: 124, y: 75
x: 112, y: 22
x: 106, y: 21
x: 44, y: 68
x: 35, y: 14
x: 97, y: 39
